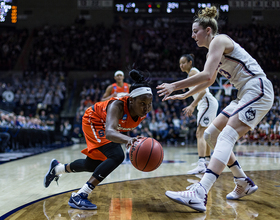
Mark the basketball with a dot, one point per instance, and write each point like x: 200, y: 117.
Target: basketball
x: 146, y: 154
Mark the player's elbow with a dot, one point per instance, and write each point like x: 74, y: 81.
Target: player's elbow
x: 109, y: 134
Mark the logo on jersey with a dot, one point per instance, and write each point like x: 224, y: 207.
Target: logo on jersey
x: 206, y: 120
x: 250, y: 114
x: 124, y: 117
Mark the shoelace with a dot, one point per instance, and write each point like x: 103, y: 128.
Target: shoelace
x: 238, y: 189
x: 56, y: 178
x: 249, y: 181
x: 193, y: 186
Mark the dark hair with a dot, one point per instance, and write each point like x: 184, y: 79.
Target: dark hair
x: 139, y: 79
x: 189, y: 57
x: 207, y: 18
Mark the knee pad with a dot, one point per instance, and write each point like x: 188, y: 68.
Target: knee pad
x: 211, y: 134
x: 225, y: 143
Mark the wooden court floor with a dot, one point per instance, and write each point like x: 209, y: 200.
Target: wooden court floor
x: 131, y: 194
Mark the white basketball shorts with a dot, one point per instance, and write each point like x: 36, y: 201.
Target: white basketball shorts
x: 253, y: 101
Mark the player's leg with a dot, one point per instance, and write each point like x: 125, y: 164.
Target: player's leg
x: 201, y: 148
x: 207, y: 154
x: 196, y: 196
x: 102, y: 169
x: 257, y: 99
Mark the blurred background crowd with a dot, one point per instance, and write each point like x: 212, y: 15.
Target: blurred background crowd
x: 42, y: 87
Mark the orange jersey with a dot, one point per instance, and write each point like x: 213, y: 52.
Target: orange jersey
x: 117, y: 89
x: 94, y: 123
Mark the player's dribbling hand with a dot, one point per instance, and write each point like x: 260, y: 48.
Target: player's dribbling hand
x: 165, y: 89
x: 132, y: 141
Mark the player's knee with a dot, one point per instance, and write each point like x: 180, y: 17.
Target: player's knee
x: 211, y: 134
x: 118, y: 156
x: 226, y: 141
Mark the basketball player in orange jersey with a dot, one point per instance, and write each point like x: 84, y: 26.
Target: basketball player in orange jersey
x: 102, y: 124
x: 119, y: 88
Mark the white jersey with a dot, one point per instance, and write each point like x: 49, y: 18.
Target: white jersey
x: 239, y: 67
x: 207, y: 107
x: 255, y: 92
x: 206, y: 95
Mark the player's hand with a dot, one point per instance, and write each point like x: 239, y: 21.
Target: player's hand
x: 132, y: 141
x: 174, y: 97
x: 165, y: 89
x: 188, y: 110
x: 114, y: 94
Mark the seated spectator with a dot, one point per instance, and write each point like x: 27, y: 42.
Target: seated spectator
x: 244, y: 140
x: 145, y: 132
x: 163, y: 130
x: 153, y: 127
x: 76, y: 135
x: 254, y: 137
x: 4, y: 139
x: 263, y: 139
x: 50, y: 122
x: 264, y: 126
x: 271, y: 137
x: 88, y: 102
x: 65, y: 129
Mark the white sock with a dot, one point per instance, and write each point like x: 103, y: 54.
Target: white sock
x: 237, y: 170
x: 208, y: 180
x: 59, y: 169
x: 201, y: 159
x: 85, y: 189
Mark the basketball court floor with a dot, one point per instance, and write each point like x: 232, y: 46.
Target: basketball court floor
x: 131, y: 194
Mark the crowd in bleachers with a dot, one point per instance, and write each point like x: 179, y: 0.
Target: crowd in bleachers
x: 157, y: 46
x: 32, y: 94
x: 11, y: 42
x: 75, y: 47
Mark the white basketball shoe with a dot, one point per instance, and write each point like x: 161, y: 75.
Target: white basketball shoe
x: 201, y: 168
x: 195, y: 197
x: 244, y: 187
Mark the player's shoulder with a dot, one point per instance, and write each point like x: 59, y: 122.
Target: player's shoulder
x: 193, y: 71
x: 221, y: 38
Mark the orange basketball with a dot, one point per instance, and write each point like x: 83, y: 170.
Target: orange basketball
x: 146, y: 154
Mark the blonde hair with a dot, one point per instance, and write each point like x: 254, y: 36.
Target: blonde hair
x: 207, y: 18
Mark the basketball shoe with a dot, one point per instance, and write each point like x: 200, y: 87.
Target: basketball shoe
x: 195, y: 197
x: 244, y: 187
x: 80, y: 201
x: 51, y: 175
x: 201, y: 168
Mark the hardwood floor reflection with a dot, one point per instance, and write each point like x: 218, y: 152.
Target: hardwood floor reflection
x: 145, y: 199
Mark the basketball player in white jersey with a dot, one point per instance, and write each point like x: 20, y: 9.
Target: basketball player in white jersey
x: 254, y: 99
x: 207, y: 107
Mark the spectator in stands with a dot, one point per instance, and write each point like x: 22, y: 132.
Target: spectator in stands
x: 4, y: 139
x: 244, y: 140
x: 276, y: 127
x: 50, y: 122
x: 65, y: 129
x: 88, y: 102
x: 263, y: 136
x: 162, y: 130
x: 264, y: 125
x: 153, y: 127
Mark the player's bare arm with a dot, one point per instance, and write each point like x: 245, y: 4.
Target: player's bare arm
x: 107, y: 95
x: 114, y: 114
